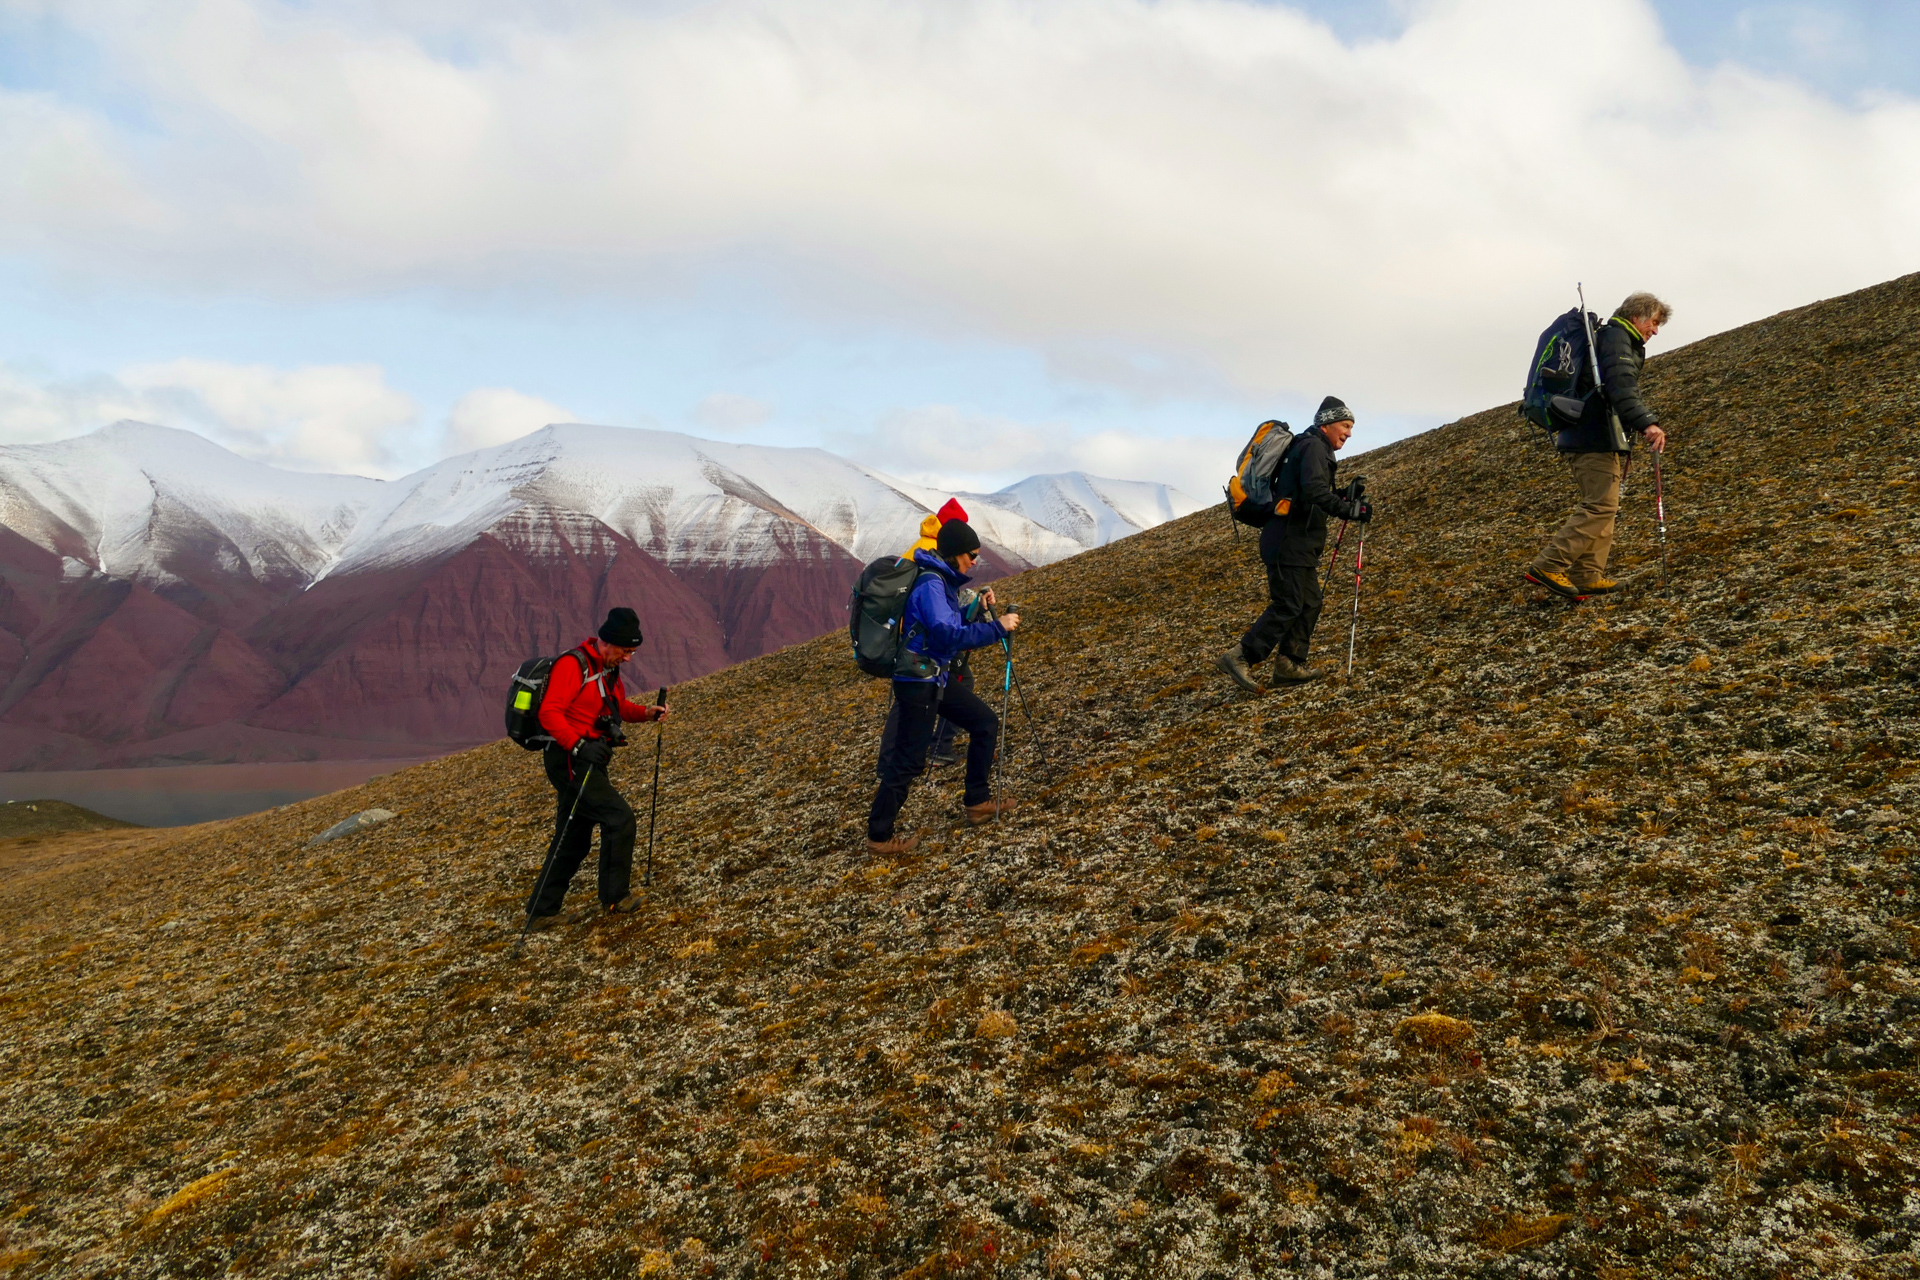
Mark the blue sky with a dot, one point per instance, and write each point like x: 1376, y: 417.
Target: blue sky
x: 960, y: 241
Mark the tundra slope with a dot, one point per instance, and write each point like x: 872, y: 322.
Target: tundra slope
x: 1567, y: 941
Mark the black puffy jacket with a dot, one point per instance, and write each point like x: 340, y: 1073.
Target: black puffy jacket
x: 1622, y: 352
x: 1306, y: 476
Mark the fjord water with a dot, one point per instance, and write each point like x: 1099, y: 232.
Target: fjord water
x: 178, y: 796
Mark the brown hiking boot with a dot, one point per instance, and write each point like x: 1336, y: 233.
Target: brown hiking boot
x: 1234, y: 664
x: 1599, y: 587
x: 1287, y: 671
x: 631, y: 903
x: 1558, y: 583
x: 891, y: 845
x: 987, y: 810
x: 540, y: 924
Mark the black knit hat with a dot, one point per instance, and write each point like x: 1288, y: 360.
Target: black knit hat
x: 621, y: 628
x: 957, y: 538
x: 1333, y: 409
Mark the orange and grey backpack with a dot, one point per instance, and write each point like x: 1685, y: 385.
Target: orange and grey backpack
x: 1250, y: 492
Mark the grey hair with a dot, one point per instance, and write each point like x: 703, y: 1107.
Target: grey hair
x: 1644, y: 306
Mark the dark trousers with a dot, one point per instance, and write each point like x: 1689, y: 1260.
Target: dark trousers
x: 600, y: 806
x: 1293, y: 611
x: 943, y: 728
x: 920, y: 705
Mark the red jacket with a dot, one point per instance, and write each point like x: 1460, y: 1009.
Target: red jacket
x: 576, y: 698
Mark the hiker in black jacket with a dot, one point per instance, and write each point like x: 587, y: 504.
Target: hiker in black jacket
x: 1291, y: 545
x: 1574, y: 561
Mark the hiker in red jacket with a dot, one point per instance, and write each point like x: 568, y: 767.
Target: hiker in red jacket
x: 582, y: 711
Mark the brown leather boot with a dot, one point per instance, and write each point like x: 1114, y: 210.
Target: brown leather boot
x: 988, y: 809
x: 892, y: 845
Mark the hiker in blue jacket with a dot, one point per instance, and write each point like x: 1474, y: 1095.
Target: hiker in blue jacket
x: 935, y: 634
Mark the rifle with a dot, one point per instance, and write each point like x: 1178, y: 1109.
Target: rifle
x: 1599, y: 388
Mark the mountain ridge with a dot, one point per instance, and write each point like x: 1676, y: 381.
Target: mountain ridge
x: 265, y: 615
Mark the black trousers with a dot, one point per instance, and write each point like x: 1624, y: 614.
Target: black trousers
x: 600, y: 806
x: 943, y: 728
x: 920, y: 705
x: 1293, y: 611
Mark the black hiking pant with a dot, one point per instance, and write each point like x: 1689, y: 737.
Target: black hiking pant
x: 1293, y: 611
x: 943, y: 728
x: 921, y: 704
x: 600, y: 806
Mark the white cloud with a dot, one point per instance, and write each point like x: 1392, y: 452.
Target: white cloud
x: 1217, y: 181
x: 944, y: 447
x: 320, y: 418
x: 494, y: 415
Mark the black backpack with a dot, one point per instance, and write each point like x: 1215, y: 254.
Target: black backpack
x: 524, y: 696
x: 878, y: 603
x: 1560, y: 379
x: 1250, y: 495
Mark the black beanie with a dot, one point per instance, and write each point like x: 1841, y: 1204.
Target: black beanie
x: 1333, y: 409
x: 957, y: 538
x: 622, y: 628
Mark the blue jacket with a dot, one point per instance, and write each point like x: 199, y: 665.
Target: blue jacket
x: 935, y: 632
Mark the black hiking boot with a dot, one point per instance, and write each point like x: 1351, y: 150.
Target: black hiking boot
x: 1234, y: 664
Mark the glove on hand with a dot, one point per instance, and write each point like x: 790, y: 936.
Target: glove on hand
x: 1356, y: 488
x: 593, y: 753
x: 1359, y: 512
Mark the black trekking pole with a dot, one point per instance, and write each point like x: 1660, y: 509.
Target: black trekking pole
x: 653, y: 807
x: 546, y: 867
x: 1359, y: 563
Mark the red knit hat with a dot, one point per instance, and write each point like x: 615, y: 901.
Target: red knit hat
x: 952, y: 511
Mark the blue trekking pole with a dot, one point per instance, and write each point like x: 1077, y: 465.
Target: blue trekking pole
x: 1006, y: 688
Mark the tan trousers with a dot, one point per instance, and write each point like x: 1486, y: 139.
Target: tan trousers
x: 1581, y: 547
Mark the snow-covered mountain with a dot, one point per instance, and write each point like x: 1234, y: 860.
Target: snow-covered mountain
x: 164, y: 599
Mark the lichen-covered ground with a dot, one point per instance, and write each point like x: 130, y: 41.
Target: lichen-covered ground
x: 1560, y: 942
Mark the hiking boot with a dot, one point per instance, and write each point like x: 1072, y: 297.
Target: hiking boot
x: 941, y: 759
x: 891, y: 845
x: 631, y: 903
x: 1287, y: 671
x: 1234, y: 664
x: 1599, y: 587
x: 987, y: 810
x: 1554, y: 581
x: 540, y: 924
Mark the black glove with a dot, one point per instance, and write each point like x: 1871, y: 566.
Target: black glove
x: 593, y: 753
x: 1359, y: 512
x: 1356, y: 488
